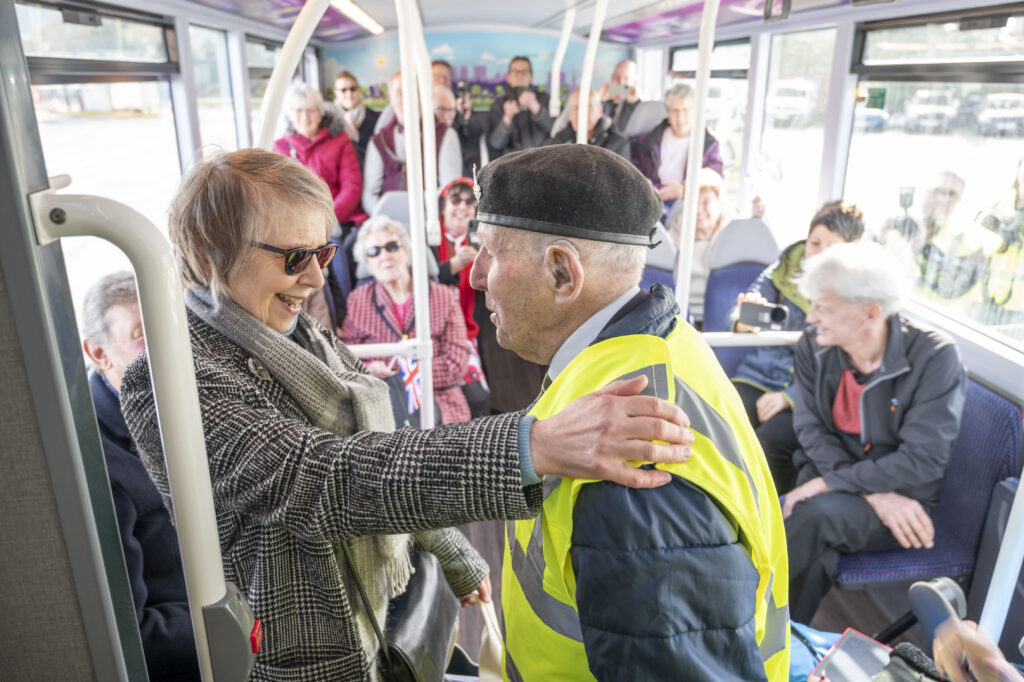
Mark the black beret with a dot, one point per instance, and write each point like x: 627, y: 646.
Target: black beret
x: 571, y: 190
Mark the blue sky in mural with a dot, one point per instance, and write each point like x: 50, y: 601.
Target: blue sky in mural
x: 476, y: 58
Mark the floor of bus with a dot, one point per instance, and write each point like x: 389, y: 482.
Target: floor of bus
x: 869, y: 611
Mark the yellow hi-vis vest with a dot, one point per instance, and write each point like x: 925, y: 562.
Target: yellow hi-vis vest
x: 543, y: 640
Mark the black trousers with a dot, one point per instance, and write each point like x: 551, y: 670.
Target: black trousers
x: 777, y: 438
x: 818, y: 531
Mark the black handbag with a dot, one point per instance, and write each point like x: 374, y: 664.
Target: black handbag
x: 420, y: 623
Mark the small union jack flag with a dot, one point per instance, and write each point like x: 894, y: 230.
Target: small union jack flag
x: 410, y: 370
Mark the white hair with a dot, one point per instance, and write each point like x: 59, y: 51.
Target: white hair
x: 302, y: 96
x: 859, y: 272
x: 380, y: 223
x: 604, y: 259
x: 679, y: 91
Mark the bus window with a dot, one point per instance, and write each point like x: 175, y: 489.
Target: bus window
x: 787, y: 171
x: 213, y: 90
x: 935, y: 163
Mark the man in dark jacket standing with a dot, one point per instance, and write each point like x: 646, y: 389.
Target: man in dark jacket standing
x: 520, y: 119
x: 601, y: 132
x: 349, y: 98
x: 112, y: 333
x: 877, y: 411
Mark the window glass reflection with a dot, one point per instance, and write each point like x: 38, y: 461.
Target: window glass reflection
x: 213, y: 90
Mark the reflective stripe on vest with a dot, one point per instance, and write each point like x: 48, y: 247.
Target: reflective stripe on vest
x: 543, y: 634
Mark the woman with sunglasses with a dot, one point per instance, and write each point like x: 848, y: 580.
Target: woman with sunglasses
x: 382, y: 311
x: 322, y: 142
x: 300, y: 439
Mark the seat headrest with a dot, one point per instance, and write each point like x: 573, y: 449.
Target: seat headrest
x: 394, y: 205
x: 645, y: 116
x: 748, y: 240
x: 664, y: 255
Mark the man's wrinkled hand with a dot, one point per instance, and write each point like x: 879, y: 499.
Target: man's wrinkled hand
x: 905, y: 518
x: 813, y: 487
x: 596, y: 434
x: 770, y: 404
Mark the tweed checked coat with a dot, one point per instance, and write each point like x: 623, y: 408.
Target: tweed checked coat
x: 286, y: 492
x: 371, y: 319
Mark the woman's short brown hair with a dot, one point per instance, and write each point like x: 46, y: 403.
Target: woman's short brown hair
x: 231, y: 199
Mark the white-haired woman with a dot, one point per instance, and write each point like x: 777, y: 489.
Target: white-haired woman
x: 382, y: 311
x: 319, y: 141
x: 877, y: 410
x: 300, y: 440
x: 661, y: 154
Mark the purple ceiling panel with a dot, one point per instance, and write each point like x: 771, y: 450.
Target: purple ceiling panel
x: 282, y: 13
x: 681, y: 20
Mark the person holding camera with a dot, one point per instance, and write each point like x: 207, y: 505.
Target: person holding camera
x: 600, y: 130
x: 765, y: 378
x: 520, y: 119
x: 619, y: 96
x: 877, y: 410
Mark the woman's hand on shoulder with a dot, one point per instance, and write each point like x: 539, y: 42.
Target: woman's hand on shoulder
x: 596, y: 434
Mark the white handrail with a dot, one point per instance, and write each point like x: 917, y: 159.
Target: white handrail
x: 414, y: 181
x: 1006, y: 571
x: 425, y: 76
x: 291, y: 53
x: 174, y: 384
x: 739, y: 339
x: 555, y: 103
x: 695, y: 154
x: 587, y: 77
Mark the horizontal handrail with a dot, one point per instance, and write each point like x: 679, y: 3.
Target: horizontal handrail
x: 739, y: 339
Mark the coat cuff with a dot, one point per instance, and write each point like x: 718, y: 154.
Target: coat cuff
x: 530, y: 476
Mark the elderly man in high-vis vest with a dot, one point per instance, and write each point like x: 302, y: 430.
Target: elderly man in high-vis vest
x: 688, y: 581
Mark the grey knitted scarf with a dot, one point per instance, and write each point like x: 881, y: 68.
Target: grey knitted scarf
x: 334, y: 398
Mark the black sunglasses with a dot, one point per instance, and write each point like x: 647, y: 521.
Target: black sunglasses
x: 350, y: 88
x: 295, y: 259
x: 467, y: 200
x: 374, y: 251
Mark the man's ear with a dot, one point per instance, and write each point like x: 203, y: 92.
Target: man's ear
x: 97, y: 354
x: 562, y: 264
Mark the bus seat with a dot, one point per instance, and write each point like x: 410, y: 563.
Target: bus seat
x: 394, y: 205
x: 987, y: 451
x: 661, y: 261
x: 745, y: 240
x: 644, y: 118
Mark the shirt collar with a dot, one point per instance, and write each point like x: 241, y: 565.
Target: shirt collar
x: 587, y: 332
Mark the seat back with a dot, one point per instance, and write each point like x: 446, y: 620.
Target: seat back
x: 723, y: 286
x: 394, y: 205
x: 644, y: 118
x: 745, y: 240
x: 987, y: 451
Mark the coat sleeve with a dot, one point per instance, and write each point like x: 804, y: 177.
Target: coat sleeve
x: 165, y: 627
x: 713, y: 157
x: 353, y: 332
x: 663, y: 585
x: 819, y: 442
x: 280, y: 471
x: 451, y: 344
x: 463, y: 567
x: 280, y: 146
x: 926, y: 435
x: 373, y: 176
x: 500, y: 133
x: 350, y: 177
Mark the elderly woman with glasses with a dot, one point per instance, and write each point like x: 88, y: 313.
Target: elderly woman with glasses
x: 322, y: 142
x: 382, y: 311
x: 300, y: 439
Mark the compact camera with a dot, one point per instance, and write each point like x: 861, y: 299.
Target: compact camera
x: 770, y: 316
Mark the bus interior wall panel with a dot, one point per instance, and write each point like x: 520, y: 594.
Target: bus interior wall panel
x: 73, y: 568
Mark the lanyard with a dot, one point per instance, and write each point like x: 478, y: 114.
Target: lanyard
x: 380, y: 311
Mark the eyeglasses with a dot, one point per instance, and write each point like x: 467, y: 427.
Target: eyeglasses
x: 298, y: 111
x: 390, y: 247
x: 350, y: 88
x: 444, y: 110
x: 456, y: 200
x: 295, y: 259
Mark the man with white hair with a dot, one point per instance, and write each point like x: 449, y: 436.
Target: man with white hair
x: 608, y: 582
x: 112, y: 338
x: 600, y: 131
x: 661, y: 154
x: 877, y: 410
x: 384, y: 169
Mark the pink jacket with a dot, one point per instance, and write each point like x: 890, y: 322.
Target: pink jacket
x: 333, y: 158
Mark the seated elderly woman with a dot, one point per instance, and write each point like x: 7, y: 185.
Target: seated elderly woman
x: 382, y: 311
x: 304, y: 461
x: 661, y: 154
x: 764, y: 379
x: 877, y: 410
x: 321, y: 143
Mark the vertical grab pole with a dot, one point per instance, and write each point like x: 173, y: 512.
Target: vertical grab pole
x: 1007, y: 569
x: 587, y: 77
x: 414, y: 180
x: 425, y: 76
x: 291, y: 53
x: 555, y: 103
x: 695, y: 154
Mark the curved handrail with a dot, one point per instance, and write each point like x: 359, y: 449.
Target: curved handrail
x: 587, y: 77
x: 555, y: 103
